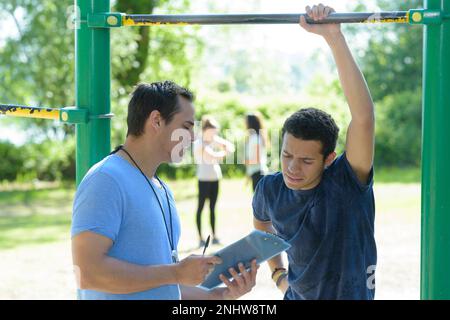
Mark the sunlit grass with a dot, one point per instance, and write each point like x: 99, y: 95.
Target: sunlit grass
x: 34, y: 216
x: 398, y: 175
x: 38, y: 216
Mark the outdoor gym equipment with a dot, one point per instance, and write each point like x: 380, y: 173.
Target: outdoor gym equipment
x: 93, y: 118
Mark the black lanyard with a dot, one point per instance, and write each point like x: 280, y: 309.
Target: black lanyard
x: 169, y: 235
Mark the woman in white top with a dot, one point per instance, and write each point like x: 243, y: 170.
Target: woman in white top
x: 209, y: 150
x: 256, y: 154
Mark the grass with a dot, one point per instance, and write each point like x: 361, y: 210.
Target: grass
x: 398, y: 175
x: 33, y: 216
x: 33, y: 230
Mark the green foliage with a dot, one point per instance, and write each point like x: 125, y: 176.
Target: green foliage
x: 12, y: 161
x: 398, y: 129
x: 385, y: 174
x: 51, y: 161
x: 146, y: 54
x: 37, y: 65
x: 45, y: 161
x: 392, y: 65
x: 37, y: 68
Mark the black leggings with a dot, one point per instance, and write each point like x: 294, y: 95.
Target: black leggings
x: 207, y: 190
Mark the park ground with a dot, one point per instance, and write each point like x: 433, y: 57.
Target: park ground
x: 35, y: 256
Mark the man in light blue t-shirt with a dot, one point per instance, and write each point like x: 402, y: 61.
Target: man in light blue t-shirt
x: 125, y: 227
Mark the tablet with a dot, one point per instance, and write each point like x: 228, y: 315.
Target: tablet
x: 257, y: 245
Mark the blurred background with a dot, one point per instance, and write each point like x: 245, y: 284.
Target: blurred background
x: 232, y: 70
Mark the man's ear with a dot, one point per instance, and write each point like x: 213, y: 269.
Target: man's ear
x: 154, y: 121
x: 329, y: 160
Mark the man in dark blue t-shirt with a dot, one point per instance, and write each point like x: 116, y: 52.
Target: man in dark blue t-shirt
x: 323, y: 205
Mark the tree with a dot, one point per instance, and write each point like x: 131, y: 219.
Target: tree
x: 37, y: 58
x: 392, y: 65
x: 36, y: 62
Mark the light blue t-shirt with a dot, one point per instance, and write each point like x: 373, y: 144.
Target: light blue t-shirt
x: 115, y: 200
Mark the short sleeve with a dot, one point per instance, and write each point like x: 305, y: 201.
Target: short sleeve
x: 345, y: 176
x: 98, y: 206
x: 260, y: 211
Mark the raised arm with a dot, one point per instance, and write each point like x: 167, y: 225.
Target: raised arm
x: 226, y: 145
x: 361, y: 130
x: 206, y: 154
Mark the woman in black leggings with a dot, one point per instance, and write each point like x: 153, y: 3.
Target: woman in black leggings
x: 209, y: 150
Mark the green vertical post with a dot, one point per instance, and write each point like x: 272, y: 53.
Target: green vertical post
x: 435, y: 244
x: 93, y: 86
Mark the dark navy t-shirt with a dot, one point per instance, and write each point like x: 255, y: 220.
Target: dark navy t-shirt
x: 331, y: 230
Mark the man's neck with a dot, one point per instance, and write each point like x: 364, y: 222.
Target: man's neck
x: 143, y: 154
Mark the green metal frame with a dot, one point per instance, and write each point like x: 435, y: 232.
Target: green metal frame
x: 435, y: 238
x: 93, y: 81
x: 93, y: 87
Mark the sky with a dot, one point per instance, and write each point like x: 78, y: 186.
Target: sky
x: 289, y: 39
x: 275, y: 36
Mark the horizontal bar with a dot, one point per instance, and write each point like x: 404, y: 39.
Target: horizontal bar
x: 103, y: 116
x: 294, y: 18
x: 29, y: 112
x: 65, y: 114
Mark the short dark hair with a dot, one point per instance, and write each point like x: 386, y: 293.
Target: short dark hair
x: 313, y: 124
x: 160, y: 96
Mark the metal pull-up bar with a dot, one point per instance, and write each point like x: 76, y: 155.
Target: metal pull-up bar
x: 115, y: 19
x: 211, y: 19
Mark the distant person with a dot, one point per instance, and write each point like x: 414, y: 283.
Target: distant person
x: 255, y: 149
x: 125, y: 225
x: 321, y: 204
x: 209, y: 150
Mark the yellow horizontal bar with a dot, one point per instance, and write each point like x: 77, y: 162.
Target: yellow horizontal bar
x: 30, y: 112
x: 396, y: 20
x: 129, y: 22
